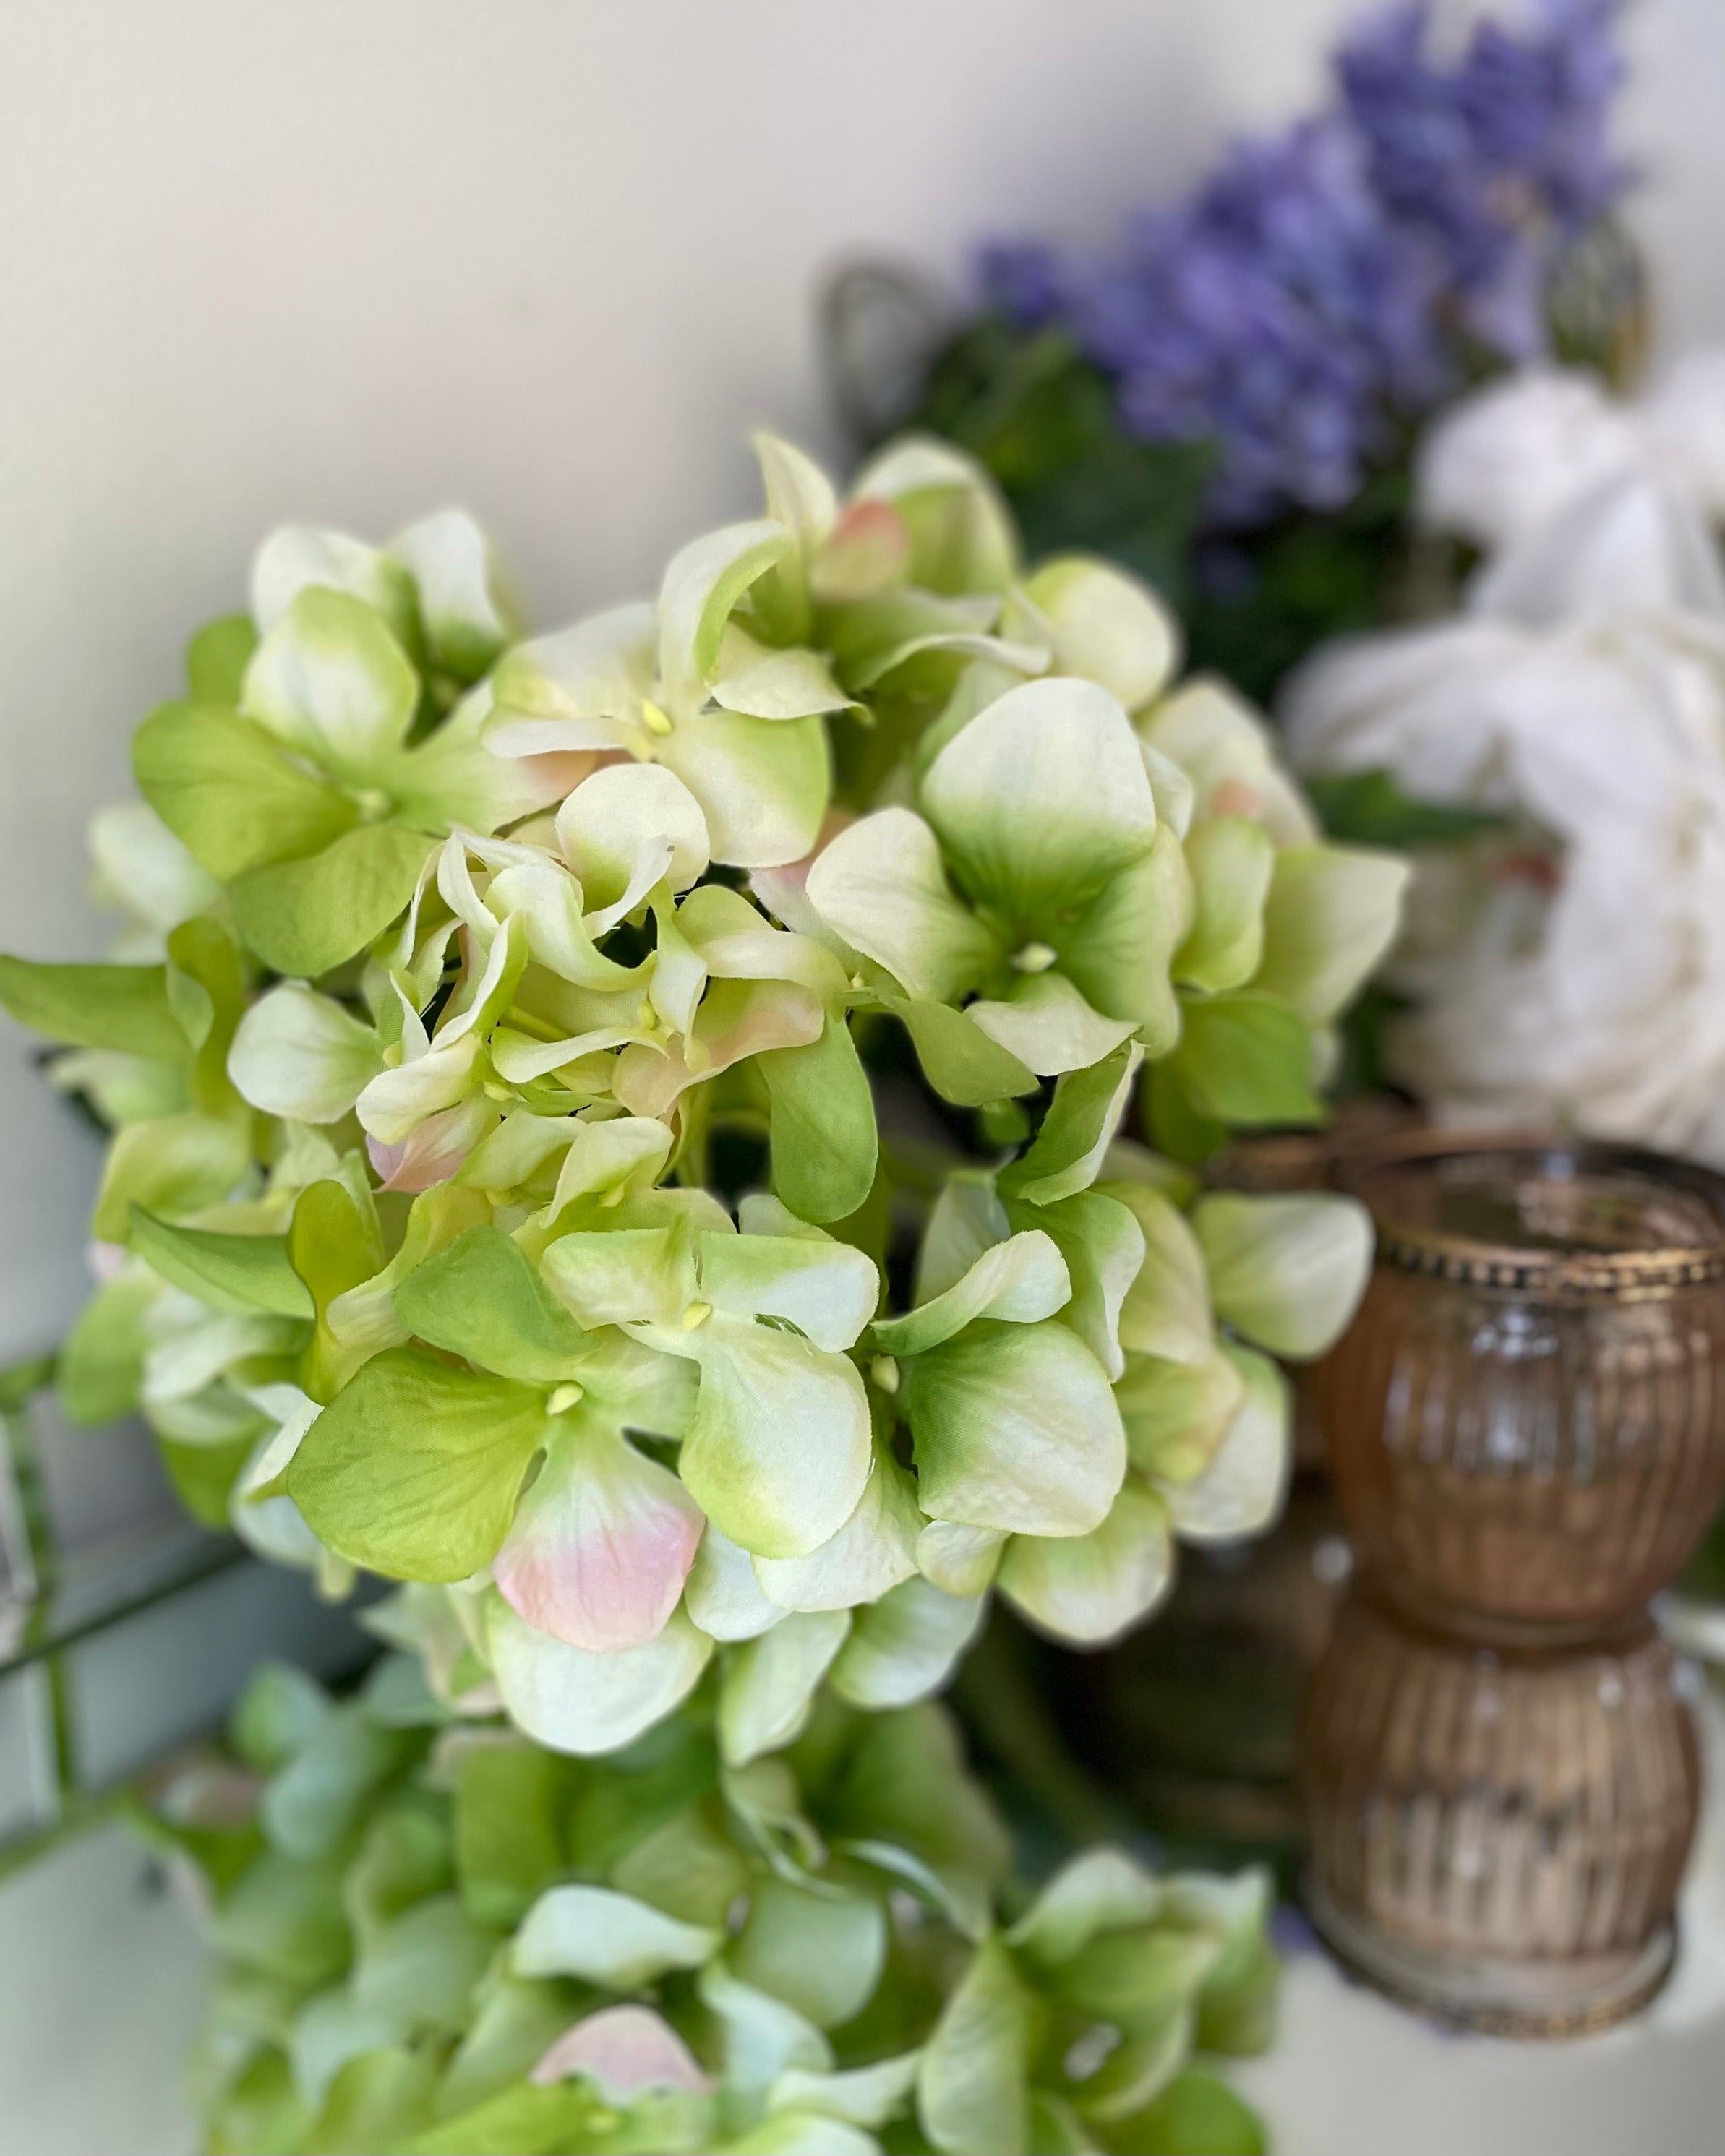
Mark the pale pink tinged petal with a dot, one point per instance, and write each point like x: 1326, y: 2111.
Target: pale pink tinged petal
x: 436, y: 1149
x: 867, y: 551
x: 385, y: 1159
x: 601, y: 1544
x: 557, y: 772
x: 107, y: 1261
x: 736, y: 1020
x: 625, y: 2050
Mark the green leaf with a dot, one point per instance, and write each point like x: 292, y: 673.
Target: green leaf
x: 229, y: 1272
x: 229, y: 794
x: 1246, y: 1059
x: 823, y: 1144
x: 958, y: 1059
x: 207, y: 989
x: 216, y: 657
x: 1196, y: 2115
x: 123, y: 1007
x: 174, y: 1164
x: 482, y: 1298
x: 414, y: 1467
x: 304, y: 917
x: 1369, y: 808
x: 334, y: 1247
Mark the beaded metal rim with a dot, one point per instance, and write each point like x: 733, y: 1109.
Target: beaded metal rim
x: 1620, y: 1275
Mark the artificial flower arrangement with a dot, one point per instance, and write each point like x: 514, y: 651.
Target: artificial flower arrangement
x: 623, y: 1133
x: 1566, y: 964
x: 1227, y: 402
x: 438, y: 1938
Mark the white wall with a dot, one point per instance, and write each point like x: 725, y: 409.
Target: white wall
x: 346, y: 260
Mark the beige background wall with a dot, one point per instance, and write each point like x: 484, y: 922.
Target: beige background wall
x: 346, y: 260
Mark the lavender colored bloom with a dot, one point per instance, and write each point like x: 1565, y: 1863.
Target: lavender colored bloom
x: 1304, y: 303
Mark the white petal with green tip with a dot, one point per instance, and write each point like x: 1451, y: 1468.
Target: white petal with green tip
x: 590, y: 1704
x: 778, y: 1451
x: 880, y: 884
x: 1287, y: 1270
x: 1241, y: 1491
x: 1042, y: 799
x: 301, y: 1056
x: 605, y: 1938
x: 1016, y: 1282
x: 1093, y: 1588
x: 1016, y: 1428
x: 1331, y: 913
x: 1108, y: 627
x: 906, y: 1645
x: 723, y: 1594
x: 767, y: 1691
x: 1049, y: 1027
x: 331, y: 681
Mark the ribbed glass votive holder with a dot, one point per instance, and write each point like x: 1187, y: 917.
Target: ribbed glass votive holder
x: 1526, y: 1422
x: 1497, y: 1834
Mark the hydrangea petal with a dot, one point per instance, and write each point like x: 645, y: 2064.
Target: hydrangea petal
x: 1049, y: 1025
x: 1092, y: 1588
x: 767, y: 1691
x: 1018, y: 1281
x: 1241, y: 1491
x: 301, y: 1055
x: 880, y: 884
x: 624, y: 2051
x: 1042, y: 799
x: 1108, y: 627
x: 606, y: 1938
x: 601, y: 1543
x: 779, y: 1450
x: 590, y: 1704
x: 904, y: 1646
x: 1287, y: 1271
x: 1015, y: 1427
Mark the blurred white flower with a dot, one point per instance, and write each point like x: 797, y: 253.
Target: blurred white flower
x: 1571, y: 966
x: 1580, y: 500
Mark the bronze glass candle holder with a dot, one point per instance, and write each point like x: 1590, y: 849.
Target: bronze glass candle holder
x: 1526, y: 1418
x: 1497, y: 1834
x: 1526, y: 1426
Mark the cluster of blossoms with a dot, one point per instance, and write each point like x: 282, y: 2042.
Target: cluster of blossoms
x: 1568, y: 964
x: 436, y: 1938
x: 622, y: 1132
x: 1324, y: 286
